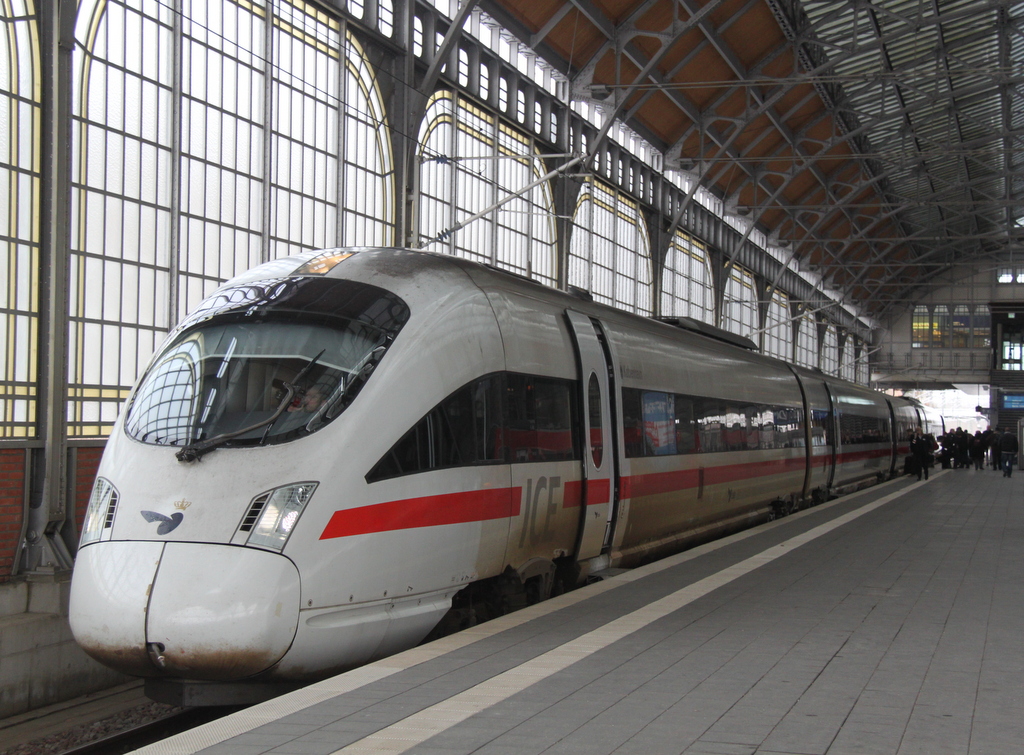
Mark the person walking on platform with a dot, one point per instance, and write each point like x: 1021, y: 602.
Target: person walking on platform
x: 1008, y: 448
x: 993, y: 447
x: 921, y: 450
x: 978, y: 448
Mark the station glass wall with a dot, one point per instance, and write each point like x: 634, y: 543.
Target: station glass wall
x: 687, y: 288
x: 739, y: 305
x: 470, y: 162
x: 610, y: 253
x: 237, y: 133
x: 778, y: 333
x: 211, y: 135
x: 807, y: 341
x: 20, y: 186
x: 830, y: 351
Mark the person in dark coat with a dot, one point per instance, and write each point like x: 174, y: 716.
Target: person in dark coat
x: 978, y: 448
x: 1008, y: 447
x: 993, y: 447
x: 921, y: 450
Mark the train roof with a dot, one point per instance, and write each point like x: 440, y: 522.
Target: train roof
x: 399, y: 263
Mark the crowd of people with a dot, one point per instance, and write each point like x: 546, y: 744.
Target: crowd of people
x: 958, y: 449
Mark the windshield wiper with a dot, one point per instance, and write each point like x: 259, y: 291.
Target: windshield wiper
x: 357, y: 378
x: 196, y: 451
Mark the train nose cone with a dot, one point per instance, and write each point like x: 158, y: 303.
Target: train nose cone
x: 222, y: 612
x: 190, y: 610
x: 110, y: 590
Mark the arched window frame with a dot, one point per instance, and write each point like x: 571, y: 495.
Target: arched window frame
x: 739, y: 304
x: 847, y: 367
x: 610, y: 253
x: 20, y: 185
x: 778, y: 334
x: 921, y: 327
x: 961, y: 327
x: 807, y: 341
x: 470, y: 161
x: 281, y: 145
x: 830, y: 351
x: 981, y: 327
x: 687, y: 286
x: 940, y: 327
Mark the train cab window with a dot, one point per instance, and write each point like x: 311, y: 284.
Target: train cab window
x: 463, y: 430
x: 264, y: 363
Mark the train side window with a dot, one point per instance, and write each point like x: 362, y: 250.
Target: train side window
x: 788, y: 427
x: 821, y: 428
x: 472, y: 423
x: 632, y: 423
x: 859, y: 428
x: 735, y: 428
x: 710, y: 417
x: 462, y: 430
x: 763, y: 424
x: 540, y: 419
x: 659, y: 423
x: 686, y: 430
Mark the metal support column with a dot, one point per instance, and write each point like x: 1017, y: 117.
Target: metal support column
x: 46, y: 551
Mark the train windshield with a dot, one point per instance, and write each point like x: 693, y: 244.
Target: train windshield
x: 267, y: 371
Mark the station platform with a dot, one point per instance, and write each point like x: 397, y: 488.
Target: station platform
x: 886, y: 621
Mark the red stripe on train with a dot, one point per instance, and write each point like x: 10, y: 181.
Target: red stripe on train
x: 670, y: 482
x: 598, y: 491
x: 428, y: 511
x: 484, y: 505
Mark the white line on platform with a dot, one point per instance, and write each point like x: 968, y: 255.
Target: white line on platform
x: 419, y: 727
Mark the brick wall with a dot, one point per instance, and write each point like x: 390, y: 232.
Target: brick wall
x: 12, y: 503
x: 87, y: 461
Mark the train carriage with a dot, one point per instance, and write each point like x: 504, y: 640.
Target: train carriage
x: 339, y: 450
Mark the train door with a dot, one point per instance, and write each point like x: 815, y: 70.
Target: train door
x: 599, y: 479
x: 831, y: 435
x: 895, y: 428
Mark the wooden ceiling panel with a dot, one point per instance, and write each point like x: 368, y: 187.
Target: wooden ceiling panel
x: 753, y: 35
x: 743, y: 75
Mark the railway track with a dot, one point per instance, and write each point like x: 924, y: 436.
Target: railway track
x: 153, y: 731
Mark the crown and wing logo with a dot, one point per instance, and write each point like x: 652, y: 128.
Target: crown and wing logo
x: 167, y: 523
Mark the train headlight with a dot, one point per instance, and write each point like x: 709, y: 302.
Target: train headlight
x: 99, y: 515
x: 272, y: 515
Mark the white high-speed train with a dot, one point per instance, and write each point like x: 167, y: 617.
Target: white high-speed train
x: 340, y: 449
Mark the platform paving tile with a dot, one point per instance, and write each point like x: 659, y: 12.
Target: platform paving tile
x: 704, y: 747
x: 931, y: 732
x: 305, y: 747
x: 234, y: 748
x: 868, y: 739
x: 263, y: 739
